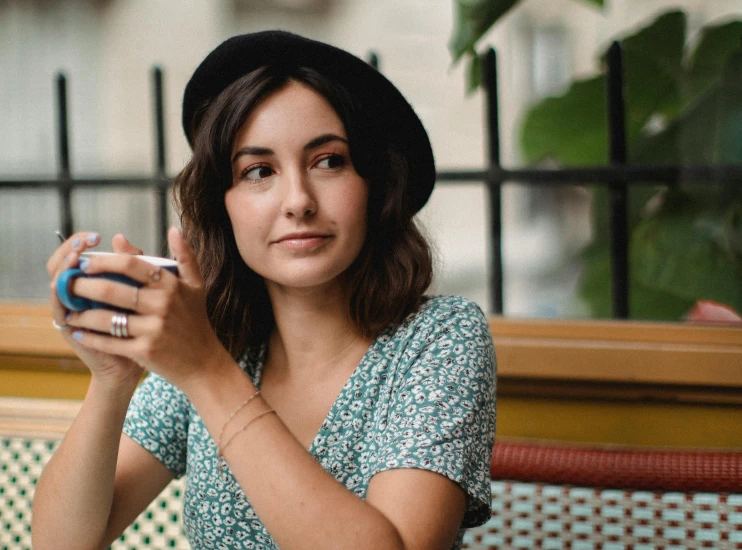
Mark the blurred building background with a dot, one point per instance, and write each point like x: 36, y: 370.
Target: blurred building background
x: 107, y: 49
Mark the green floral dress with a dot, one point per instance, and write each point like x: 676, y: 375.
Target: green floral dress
x: 423, y: 396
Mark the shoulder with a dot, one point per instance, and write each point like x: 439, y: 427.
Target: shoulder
x: 447, y: 306
x: 445, y: 333
x: 445, y: 313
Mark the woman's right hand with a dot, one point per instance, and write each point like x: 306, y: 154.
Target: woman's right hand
x: 107, y: 369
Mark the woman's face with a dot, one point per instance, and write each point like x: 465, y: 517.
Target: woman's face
x: 297, y: 204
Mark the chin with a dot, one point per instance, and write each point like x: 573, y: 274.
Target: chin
x: 305, y: 278
x: 326, y: 286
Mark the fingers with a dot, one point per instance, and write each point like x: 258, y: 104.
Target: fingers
x: 77, y: 243
x: 64, y: 257
x: 104, y: 321
x: 120, y: 295
x: 100, y: 342
x: 122, y: 245
x: 128, y: 265
x: 58, y: 310
x: 187, y: 263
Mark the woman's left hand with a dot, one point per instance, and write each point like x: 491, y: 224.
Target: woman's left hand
x: 169, y: 331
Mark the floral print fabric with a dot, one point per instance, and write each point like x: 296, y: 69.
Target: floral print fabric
x: 423, y: 396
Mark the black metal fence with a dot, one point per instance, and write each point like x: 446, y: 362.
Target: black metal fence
x: 617, y: 176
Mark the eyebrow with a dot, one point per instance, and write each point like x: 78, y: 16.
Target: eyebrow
x: 265, y: 151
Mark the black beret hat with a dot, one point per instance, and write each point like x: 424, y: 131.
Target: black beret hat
x: 379, y: 101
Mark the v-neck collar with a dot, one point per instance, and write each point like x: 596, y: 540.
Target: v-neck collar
x: 343, y: 397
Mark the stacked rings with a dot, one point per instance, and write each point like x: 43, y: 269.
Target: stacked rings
x: 120, y: 325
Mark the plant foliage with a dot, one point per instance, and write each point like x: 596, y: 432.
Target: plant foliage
x: 683, y: 105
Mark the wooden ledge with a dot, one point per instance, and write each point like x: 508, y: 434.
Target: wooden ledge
x: 623, y: 352
x: 590, y: 381
x: 549, y: 358
x: 36, y: 418
x: 26, y: 330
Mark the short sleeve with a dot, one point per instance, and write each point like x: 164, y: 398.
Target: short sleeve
x: 442, y: 411
x: 157, y: 419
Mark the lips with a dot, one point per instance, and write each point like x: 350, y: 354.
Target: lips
x: 302, y: 240
x: 302, y: 235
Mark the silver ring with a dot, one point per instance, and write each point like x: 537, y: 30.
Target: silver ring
x: 155, y: 274
x: 60, y: 327
x: 120, y: 325
x: 136, y: 298
x: 124, y: 326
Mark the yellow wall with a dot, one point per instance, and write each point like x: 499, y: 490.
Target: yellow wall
x: 629, y: 423
x: 38, y: 383
x: 577, y: 420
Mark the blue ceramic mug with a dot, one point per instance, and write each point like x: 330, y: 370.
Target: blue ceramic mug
x: 77, y: 303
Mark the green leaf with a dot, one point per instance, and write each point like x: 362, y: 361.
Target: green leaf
x: 652, y: 304
x: 709, y: 59
x: 652, y: 60
x: 709, y: 130
x: 569, y: 129
x: 473, y: 73
x: 639, y: 196
x: 595, y: 2
x: 644, y: 302
x: 472, y: 19
x: 683, y: 250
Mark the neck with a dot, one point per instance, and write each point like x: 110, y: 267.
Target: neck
x: 313, y: 334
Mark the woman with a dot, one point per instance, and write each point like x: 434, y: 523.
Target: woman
x: 311, y: 394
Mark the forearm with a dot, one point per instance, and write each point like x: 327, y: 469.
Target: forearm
x: 300, y: 504
x: 72, y: 502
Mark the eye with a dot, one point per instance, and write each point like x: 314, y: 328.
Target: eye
x: 331, y: 162
x: 256, y: 173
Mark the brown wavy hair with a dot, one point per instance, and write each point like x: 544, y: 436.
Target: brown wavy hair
x: 394, y: 268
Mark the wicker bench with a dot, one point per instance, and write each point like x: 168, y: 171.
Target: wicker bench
x: 544, y: 495
x: 30, y: 430
x: 547, y: 495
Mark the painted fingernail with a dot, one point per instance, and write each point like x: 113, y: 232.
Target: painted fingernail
x: 92, y: 238
x: 76, y: 242
x: 77, y: 335
x: 84, y: 263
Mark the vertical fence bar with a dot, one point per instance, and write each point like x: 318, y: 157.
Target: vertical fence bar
x: 63, y: 172
x: 494, y: 180
x: 619, y: 187
x: 161, y: 181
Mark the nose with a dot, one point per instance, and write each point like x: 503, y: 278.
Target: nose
x: 299, y: 201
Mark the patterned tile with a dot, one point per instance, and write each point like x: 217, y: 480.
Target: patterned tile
x: 532, y: 515
x: 21, y: 463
